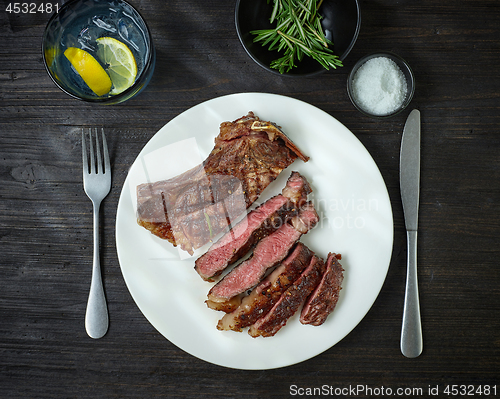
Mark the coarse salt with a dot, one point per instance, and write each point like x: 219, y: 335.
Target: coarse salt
x: 379, y: 86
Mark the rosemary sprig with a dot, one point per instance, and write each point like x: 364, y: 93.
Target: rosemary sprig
x: 298, y: 32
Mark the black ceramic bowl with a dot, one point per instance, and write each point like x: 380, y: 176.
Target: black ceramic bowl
x: 341, y: 23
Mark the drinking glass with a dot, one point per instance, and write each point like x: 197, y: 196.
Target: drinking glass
x: 79, y: 23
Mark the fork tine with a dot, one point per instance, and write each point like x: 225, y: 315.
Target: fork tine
x: 98, y: 150
x: 107, y: 166
x: 92, y: 157
x: 84, y: 154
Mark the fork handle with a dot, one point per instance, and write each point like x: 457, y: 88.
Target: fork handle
x: 96, y: 315
x: 411, y: 332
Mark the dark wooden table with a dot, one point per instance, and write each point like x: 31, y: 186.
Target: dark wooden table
x: 453, y: 47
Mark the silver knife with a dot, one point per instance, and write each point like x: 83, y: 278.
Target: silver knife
x: 409, y: 180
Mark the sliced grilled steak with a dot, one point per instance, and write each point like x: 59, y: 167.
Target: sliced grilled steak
x: 192, y: 208
x: 238, y: 241
x: 268, y: 292
x: 290, y: 301
x: 259, y: 223
x: 268, y: 253
x: 323, y: 300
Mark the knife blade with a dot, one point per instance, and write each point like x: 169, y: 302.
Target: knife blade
x: 409, y: 180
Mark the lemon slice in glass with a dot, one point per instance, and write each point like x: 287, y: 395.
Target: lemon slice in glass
x: 92, y: 73
x: 120, y: 63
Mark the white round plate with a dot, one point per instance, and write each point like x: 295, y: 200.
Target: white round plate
x: 350, y: 197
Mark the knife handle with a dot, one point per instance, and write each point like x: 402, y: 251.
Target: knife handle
x: 411, y: 332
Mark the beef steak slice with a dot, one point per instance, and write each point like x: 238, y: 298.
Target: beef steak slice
x: 323, y: 300
x: 258, y: 224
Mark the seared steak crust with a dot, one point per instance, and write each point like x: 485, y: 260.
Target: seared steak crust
x: 290, y: 301
x: 323, y: 300
x: 268, y: 292
x: 192, y: 208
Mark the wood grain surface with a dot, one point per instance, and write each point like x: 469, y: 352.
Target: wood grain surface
x: 453, y: 47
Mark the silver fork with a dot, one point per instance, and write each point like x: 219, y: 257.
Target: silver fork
x: 97, y: 184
